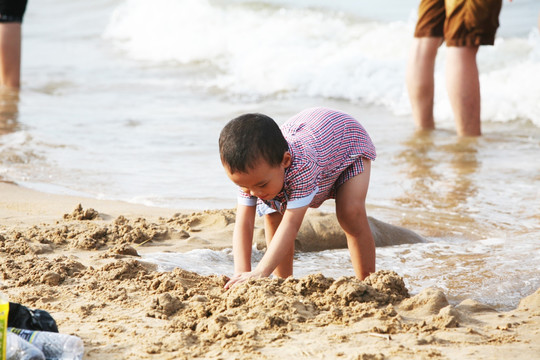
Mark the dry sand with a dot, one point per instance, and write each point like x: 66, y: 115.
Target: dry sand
x: 82, y: 266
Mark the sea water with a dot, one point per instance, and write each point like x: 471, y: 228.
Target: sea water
x: 124, y: 99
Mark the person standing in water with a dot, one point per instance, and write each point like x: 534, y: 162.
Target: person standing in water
x: 464, y: 25
x: 11, y: 17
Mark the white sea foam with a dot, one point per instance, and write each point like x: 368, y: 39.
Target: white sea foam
x: 504, y: 274
x: 271, y: 51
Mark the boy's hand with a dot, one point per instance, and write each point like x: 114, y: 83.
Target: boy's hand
x: 242, y: 277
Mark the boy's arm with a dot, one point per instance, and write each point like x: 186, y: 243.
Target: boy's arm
x: 243, y: 238
x: 281, y: 242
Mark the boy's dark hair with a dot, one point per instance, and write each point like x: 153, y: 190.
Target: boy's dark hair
x: 247, y: 139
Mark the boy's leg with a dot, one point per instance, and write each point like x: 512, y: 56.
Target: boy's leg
x: 351, y: 214
x: 271, y: 223
x: 420, y: 80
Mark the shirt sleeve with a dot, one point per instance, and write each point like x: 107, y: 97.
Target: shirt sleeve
x: 304, y: 201
x: 301, y: 184
x: 246, y: 199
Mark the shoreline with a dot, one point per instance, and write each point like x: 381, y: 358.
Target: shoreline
x: 81, y: 264
x: 29, y: 207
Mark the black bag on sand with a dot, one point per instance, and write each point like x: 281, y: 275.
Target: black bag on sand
x: 22, y: 317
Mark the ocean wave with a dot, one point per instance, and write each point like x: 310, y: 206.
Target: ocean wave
x: 258, y: 51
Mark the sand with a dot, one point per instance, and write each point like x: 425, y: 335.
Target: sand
x: 80, y: 260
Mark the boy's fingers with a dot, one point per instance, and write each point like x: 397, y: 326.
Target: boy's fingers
x: 237, y: 279
x: 231, y: 282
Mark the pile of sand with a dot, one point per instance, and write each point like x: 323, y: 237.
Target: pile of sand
x: 85, y: 270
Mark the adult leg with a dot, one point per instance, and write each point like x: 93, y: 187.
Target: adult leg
x: 463, y: 87
x: 271, y: 223
x: 9, y: 108
x: 420, y: 80
x: 352, y: 216
x: 10, y: 54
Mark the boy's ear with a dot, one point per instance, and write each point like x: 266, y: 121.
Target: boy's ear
x: 287, y: 159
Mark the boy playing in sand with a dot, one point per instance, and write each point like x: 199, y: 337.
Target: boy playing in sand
x: 316, y: 155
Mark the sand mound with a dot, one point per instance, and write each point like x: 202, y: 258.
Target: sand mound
x: 80, y: 214
x: 76, y: 231
x: 86, y: 272
x: 531, y: 303
x: 321, y: 231
x: 85, y: 229
x: 474, y: 307
x: 428, y: 302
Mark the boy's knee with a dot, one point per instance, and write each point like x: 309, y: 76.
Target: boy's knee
x: 352, y: 217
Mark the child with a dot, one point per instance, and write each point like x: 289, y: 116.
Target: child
x: 316, y: 155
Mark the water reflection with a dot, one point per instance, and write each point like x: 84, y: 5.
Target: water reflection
x: 9, y: 110
x: 464, y: 162
x: 439, y: 183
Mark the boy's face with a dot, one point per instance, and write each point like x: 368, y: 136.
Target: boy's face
x: 263, y: 181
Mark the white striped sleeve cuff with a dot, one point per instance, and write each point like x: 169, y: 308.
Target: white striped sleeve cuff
x: 251, y: 201
x: 305, y: 201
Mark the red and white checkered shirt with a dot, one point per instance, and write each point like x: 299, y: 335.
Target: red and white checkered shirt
x: 327, y: 147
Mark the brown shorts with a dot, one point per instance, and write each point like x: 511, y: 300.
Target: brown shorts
x: 460, y: 22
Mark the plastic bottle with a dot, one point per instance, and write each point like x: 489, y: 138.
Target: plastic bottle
x: 20, y: 349
x: 54, y: 346
x: 4, y: 309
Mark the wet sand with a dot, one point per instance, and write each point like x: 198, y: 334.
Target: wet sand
x: 82, y: 264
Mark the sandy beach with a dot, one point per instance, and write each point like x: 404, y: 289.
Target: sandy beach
x: 82, y: 264
x: 125, y: 100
